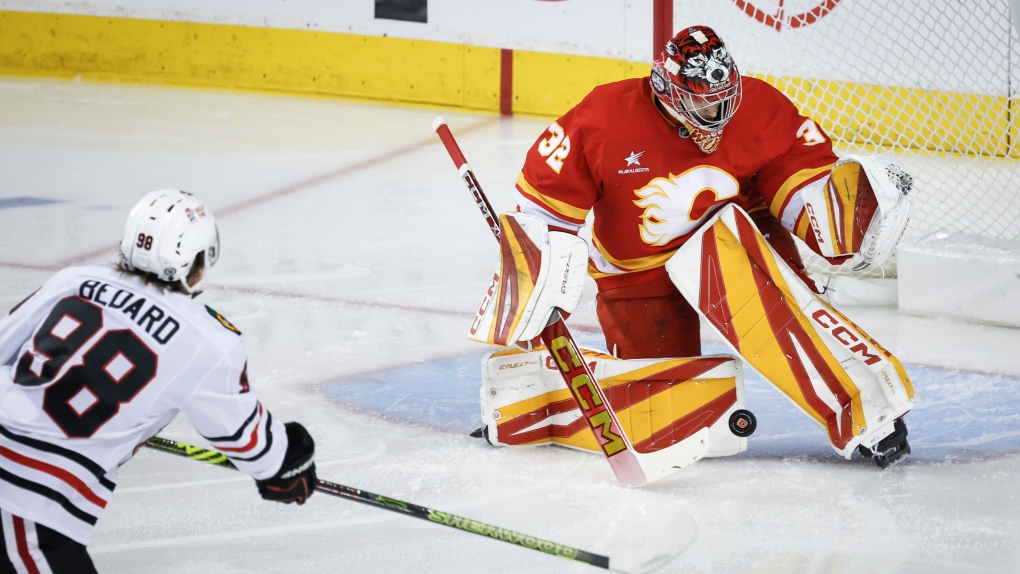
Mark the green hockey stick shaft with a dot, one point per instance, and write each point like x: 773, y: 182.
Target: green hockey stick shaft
x: 406, y: 508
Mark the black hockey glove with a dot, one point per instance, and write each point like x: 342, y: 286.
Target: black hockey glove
x: 296, y: 480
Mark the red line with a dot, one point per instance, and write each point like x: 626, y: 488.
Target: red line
x: 372, y: 304
x: 345, y: 300
x: 31, y: 267
x: 264, y: 198
x: 347, y: 170
x: 19, y: 535
x: 506, y: 82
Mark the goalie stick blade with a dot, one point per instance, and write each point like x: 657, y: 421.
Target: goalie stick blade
x: 627, y: 469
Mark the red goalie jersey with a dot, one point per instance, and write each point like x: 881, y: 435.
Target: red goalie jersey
x: 650, y: 186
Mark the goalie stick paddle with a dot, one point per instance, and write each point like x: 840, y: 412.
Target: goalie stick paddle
x: 422, y: 512
x: 578, y: 376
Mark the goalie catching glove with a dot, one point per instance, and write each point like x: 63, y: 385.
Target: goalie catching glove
x: 861, y: 208
x: 296, y: 479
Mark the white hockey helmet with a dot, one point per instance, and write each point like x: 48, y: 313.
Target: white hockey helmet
x: 164, y: 233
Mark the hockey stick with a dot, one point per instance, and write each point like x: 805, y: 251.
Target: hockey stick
x: 578, y: 376
x: 407, y: 508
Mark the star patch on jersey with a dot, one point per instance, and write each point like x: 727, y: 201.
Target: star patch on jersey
x: 223, y: 320
x: 633, y: 158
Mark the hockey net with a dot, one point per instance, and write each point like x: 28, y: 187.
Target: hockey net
x: 933, y: 83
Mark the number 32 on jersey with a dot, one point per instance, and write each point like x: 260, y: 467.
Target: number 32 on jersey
x: 555, y: 148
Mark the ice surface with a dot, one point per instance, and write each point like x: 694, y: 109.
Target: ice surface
x: 353, y: 260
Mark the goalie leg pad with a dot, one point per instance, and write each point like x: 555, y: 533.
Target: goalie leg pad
x: 828, y: 367
x: 679, y: 407
x: 539, y: 270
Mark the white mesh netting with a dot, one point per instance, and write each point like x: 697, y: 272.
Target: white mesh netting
x: 932, y: 82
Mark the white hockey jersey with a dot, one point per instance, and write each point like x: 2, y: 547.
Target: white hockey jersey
x: 94, y: 363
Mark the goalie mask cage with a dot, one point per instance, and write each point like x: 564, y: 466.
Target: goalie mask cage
x: 932, y: 83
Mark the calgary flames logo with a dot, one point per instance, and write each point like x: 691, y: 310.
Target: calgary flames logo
x: 674, y: 206
x: 707, y: 142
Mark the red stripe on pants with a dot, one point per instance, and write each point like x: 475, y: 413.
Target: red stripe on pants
x: 19, y: 535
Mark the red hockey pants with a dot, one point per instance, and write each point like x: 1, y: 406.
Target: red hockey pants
x: 653, y: 320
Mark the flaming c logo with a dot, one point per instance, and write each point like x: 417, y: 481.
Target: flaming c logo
x: 777, y: 16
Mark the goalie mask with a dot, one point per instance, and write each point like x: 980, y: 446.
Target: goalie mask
x: 697, y: 82
x: 164, y: 233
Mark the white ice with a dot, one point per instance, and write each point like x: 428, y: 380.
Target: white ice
x: 353, y: 260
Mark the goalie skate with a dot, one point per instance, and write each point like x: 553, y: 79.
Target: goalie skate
x: 890, y: 450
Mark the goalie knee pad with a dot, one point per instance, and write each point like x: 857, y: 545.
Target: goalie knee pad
x: 693, y: 405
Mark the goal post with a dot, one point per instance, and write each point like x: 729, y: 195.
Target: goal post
x: 662, y: 25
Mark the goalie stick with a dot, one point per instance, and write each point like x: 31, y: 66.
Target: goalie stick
x: 436, y: 516
x: 591, y: 399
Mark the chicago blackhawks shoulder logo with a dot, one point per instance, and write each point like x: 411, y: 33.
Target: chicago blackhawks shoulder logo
x: 222, y: 320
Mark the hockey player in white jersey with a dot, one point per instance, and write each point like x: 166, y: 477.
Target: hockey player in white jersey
x: 99, y: 359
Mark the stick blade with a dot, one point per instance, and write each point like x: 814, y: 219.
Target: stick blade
x: 628, y: 470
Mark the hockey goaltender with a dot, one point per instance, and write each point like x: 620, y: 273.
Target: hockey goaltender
x: 689, y: 225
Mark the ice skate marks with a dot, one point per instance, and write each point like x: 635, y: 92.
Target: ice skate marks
x: 26, y: 201
x: 962, y: 416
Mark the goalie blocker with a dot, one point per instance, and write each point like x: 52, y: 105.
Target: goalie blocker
x: 674, y: 411
x: 830, y: 368
x: 540, y: 271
